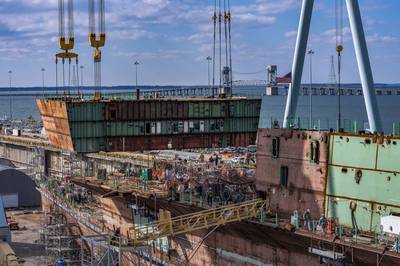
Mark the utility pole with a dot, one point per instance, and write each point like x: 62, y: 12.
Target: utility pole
x: 136, y: 69
x: 43, y: 70
x: 10, y: 80
x: 311, y: 52
x: 82, y: 67
x: 208, y: 58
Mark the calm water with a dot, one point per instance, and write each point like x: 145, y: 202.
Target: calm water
x: 324, y: 108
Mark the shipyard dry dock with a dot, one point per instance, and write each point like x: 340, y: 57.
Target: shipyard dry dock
x: 173, y: 208
x: 150, y: 124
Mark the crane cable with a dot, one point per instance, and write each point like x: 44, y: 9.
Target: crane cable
x: 230, y: 42
x: 339, y: 49
x: 97, y: 41
x: 66, y: 43
x: 226, y: 32
x: 214, y: 44
x: 220, y: 42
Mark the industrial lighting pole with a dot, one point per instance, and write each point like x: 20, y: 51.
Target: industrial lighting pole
x: 208, y: 58
x: 136, y: 69
x: 10, y: 79
x: 43, y: 70
x: 82, y: 67
x: 310, y: 52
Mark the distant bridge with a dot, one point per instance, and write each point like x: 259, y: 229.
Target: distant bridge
x: 325, y: 90
x: 250, y: 83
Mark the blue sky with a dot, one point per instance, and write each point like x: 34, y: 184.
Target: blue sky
x: 172, y: 38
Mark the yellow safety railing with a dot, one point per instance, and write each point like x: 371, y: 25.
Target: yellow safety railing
x: 167, y: 226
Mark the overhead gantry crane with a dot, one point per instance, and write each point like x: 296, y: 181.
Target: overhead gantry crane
x: 362, y: 56
x: 167, y: 226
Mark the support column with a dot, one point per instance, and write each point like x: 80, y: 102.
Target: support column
x: 364, y: 66
x: 298, y: 61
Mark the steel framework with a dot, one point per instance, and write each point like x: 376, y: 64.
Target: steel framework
x: 142, y: 235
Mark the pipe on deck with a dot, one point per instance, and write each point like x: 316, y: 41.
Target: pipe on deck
x: 298, y: 61
x: 364, y: 66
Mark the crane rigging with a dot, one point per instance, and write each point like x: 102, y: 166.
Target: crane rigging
x: 222, y: 13
x: 97, y: 40
x: 214, y: 43
x: 339, y: 49
x: 66, y: 42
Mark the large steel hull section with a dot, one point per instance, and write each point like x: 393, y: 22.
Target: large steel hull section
x: 90, y: 126
x: 306, y: 180
x: 180, y: 141
x: 355, y: 180
x: 55, y: 120
x: 363, y: 180
x: 240, y: 243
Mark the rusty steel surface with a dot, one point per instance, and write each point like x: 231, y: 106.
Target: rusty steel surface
x: 306, y: 181
x: 55, y: 121
x: 167, y: 109
x: 149, y: 109
x: 141, y: 143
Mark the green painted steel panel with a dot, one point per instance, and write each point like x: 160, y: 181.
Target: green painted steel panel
x: 87, y: 129
x: 88, y: 111
x: 386, y: 153
x: 245, y: 108
x: 88, y: 145
x: 138, y: 128
x: 146, y: 174
x: 357, y: 152
x: 339, y: 207
x: 241, y: 125
x: 365, y: 173
x: 206, y: 112
x: 90, y: 128
x: 216, y: 109
x: 367, y: 215
x: 373, y: 186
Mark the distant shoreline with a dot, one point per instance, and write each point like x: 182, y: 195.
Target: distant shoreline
x: 125, y: 88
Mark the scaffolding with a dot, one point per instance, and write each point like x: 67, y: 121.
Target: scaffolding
x: 109, y: 249
x: 142, y: 235
x: 61, y: 238
x: 99, y: 252
x: 36, y: 167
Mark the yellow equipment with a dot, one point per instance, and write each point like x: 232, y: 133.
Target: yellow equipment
x: 167, y: 226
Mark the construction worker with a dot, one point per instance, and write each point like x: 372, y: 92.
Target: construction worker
x: 322, y: 223
x: 210, y: 196
x: 307, y: 220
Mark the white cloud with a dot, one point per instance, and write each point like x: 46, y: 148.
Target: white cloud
x: 290, y: 34
x: 377, y: 38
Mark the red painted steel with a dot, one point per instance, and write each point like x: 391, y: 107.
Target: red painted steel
x: 306, y: 179
x: 140, y: 143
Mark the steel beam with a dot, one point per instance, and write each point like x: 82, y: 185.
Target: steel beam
x: 298, y: 61
x: 364, y: 66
